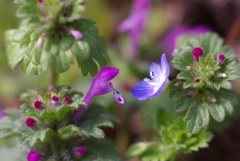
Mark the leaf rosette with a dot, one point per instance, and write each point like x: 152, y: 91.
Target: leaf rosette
x: 203, y: 84
x: 51, y: 34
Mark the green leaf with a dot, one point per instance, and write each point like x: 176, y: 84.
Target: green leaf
x: 197, y: 119
x: 8, y: 132
x: 137, y: 149
x: 68, y: 132
x: 100, y: 151
x: 217, y: 112
x: 48, y: 116
x: 65, y: 114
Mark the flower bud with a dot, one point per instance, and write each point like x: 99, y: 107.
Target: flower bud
x: 67, y: 100
x: 190, y: 95
x: 30, y: 122
x: 197, y: 80
x: 54, y: 100
x: 76, y: 34
x: 34, y: 156
x: 80, y: 150
x: 40, y: 1
x: 39, y: 105
x: 220, y: 58
x: 197, y: 52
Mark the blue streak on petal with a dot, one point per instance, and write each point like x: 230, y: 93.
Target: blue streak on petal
x: 144, y: 89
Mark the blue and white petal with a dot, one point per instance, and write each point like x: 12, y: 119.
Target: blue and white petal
x: 145, y: 89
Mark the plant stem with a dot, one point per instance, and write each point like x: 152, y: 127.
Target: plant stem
x: 54, y: 77
x: 234, y: 32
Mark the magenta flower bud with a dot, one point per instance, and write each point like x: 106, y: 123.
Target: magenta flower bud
x: 39, y: 105
x: 197, y: 52
x: 67, y: 100
x: 30, y: 122
x: 40, y: 1
x: 81, y: 150
x: 190, y: 95
x: 197, y: 80
x: 34, y: 156
x: 76, y: 34
x: 54, y: 99
x: 220, y: 58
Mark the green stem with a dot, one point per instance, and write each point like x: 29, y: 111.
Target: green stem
x: 54, y: 77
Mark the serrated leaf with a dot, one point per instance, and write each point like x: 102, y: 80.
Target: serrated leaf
x: 48, y: 116
x: 69, y: 132
x: 65, y: 113
x: 26, y: 39
x: 8, y: 132
x: 217, y: 112
x: 47, y: 135
x: 197, y: 119
x: 66, y: 43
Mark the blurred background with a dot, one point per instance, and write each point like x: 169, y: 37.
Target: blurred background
x: 166, y: 16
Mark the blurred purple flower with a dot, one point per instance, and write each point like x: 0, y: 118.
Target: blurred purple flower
x: 152, y: 87
x: 101, y: 85
x: 135, y: 23
x: 2, y: 113
x: 169, y: 42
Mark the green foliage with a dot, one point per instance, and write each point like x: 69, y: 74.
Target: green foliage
x: 173, y: 137
x: 54, y: 132
x: 100, y: 151
x: 211, y: 94
x: 44, y: 40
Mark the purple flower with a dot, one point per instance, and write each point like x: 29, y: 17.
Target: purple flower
x: 77, y: 34
x: 34, y: 156
x: 220, y: 58
x: 169, y: 42
x: 31, y: 122
x: 101, y: 85
x: 135, y: 23
x: 152, y: 87
x: 2, y: 113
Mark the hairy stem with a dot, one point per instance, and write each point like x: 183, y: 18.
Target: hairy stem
x: 54, y: 77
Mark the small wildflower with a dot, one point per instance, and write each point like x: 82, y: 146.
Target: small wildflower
x: 220, y: 58
x: 135, y: 23
x: 80, y: 150
x: 39, y: 105
x: 77, y: 34
x: 149, y: 88
x: 190, y: 95
x: 197, y: 52
x: 30, y: 122
x: 34, y: 156
x: 67, y: 100
x: 101, y: 85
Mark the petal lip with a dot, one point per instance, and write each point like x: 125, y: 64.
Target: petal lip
x: 107, y: 74
x: 144, y: 90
